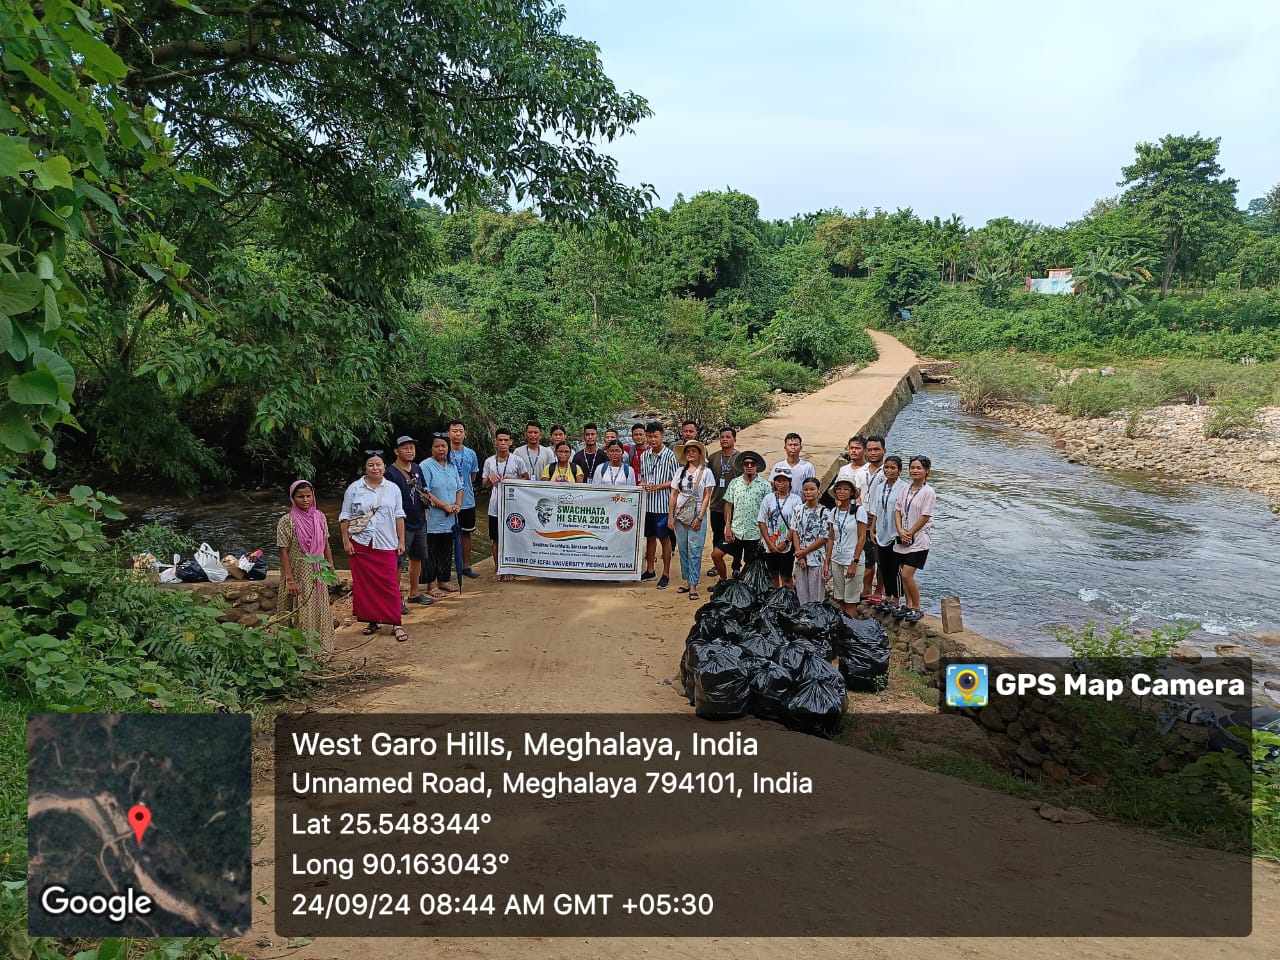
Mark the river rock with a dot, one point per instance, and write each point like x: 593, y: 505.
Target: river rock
x: 932, y: 657
x: 1075, y: 815
x: 1268, y: 639
x: 1185, y: 653
x: 1029, y: 754
x: 1227, y: 650
x: 1273, y: 685
x: 990, y: 718
x: 1055, y: 771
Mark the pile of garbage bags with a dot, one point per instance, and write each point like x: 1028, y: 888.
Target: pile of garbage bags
x: 204, y: 567
x: 756, y: 649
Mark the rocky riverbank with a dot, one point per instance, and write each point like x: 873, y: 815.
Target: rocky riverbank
x: 1169, y: 443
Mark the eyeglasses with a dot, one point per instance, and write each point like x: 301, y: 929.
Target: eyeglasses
x: 373, y: 453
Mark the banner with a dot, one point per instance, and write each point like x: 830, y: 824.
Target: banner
x: 574, y: 531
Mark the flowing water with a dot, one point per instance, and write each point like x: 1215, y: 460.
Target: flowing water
x: 1028, y: 541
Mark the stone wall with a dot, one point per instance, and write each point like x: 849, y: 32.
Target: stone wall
x: 253, y: 602
x: 1033, y: 735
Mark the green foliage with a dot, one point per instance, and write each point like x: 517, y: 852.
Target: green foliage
x: 1111, y: 280
x: 987, y: 378
x: 1109, y: 647
x: 1232, y: 417
x: 1093, y: 395
x: 77, y: 631
x: 904, y: 276
x: 786, y: 376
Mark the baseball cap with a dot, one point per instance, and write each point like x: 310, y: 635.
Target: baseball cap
x: 780, y: 471
x: 401, y: 441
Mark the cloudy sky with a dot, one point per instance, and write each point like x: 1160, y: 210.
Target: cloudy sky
x: 983, y: 109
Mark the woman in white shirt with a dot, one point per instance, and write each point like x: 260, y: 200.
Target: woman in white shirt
x: 374, y: 507
x: 690, y: 499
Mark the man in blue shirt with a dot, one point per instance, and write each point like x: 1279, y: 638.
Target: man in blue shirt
x: 464, y: 458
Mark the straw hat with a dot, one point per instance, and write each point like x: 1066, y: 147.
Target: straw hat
x: 682, y: 448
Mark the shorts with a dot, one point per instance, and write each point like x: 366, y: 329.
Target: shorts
x: 467, y: 520
x: 780, y: 563
x: 915, y: 559
x: 742, y: 551
x: 870, y: 553
x: 415, y: 546
x: 493, y: 532
x: 655, y: 525
x: 717, y: 530
x: 845, y: 589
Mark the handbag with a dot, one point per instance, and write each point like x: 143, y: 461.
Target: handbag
x: 687, y: 503
x: 360, y: 523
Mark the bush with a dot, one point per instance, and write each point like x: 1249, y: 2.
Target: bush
x: 1093, y: 395
x: 986, y: 378
x: 786, y: 376
x: 1232, y: 417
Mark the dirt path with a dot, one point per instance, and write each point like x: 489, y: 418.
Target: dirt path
x: 558, y: 646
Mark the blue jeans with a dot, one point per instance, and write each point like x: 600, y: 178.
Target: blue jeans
x: 690, y: 542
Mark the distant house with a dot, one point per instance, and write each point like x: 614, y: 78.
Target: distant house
x: 1058, y: 281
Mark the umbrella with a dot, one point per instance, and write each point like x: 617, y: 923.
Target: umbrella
x: 457, y: 550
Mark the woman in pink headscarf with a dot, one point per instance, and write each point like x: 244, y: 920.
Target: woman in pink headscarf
x: 303, y: 531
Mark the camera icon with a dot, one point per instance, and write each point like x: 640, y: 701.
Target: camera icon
x: 966, y: 685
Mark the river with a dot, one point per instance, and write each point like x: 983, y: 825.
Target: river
x: 1028, y: 541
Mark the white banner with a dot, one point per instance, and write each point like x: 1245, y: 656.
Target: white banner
x: 574, y: 531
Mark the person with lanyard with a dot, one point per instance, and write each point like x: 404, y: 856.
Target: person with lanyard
x: 407, y: 475
x: 690, y: 501
x: 862, y: 479
x: 883, y: 497
x: 444, y: 496
x: 616, y: 472
x: 914, y: 519
x: 811, y: 539
x: 774, y: 521
x: 742, y: 502
x: 503, y: 465
x: 563, y: 470
x: 468, y: 464
x: 534, y: 452
x: 848, y: 536
x: 591, y: 455
x: 725, y: 465
x: 301, y: 533
x: 372, y: 525
x: 657, y: 470
x: 636, y: 448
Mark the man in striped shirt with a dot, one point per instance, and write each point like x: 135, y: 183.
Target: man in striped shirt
x: 657, y: 470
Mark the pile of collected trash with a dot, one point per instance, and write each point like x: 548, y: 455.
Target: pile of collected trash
x: 756, y: 649
x: 204, y: 567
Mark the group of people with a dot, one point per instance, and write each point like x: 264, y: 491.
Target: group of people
x: 403, y: 515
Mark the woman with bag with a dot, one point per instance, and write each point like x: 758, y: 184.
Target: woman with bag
x: 690, y: 499
x: 372, y: 523
x: 303, y: 531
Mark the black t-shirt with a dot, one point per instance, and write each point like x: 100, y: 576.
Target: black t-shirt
x: 411, y: 492
x: 589, y: 462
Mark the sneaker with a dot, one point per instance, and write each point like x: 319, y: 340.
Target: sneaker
x: 648, y: 575
x: 664, y: 582
x: 712, y: 573
x: 470, y: 574
x: 422, y: 600
x: 900, y: 612
x: 914, y: 616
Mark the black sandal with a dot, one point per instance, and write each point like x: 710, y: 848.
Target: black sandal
x: 370, y: 630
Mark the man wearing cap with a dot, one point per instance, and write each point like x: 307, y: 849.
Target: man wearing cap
x: 742, y: 499
x: 407, y: 475
x: 725, y: 465
x: 773, y: 519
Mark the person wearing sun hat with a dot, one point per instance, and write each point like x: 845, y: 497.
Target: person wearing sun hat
x: 742, y: 499
x: 687, y: 516
x: 774, y: 519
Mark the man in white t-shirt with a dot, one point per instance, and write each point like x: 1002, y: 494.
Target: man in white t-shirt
x: 797, y: 469
x: 502, y: 466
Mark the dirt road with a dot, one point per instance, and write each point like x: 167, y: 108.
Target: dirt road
x: 557, y: 646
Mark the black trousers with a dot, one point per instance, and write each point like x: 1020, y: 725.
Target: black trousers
x: 439, y: 558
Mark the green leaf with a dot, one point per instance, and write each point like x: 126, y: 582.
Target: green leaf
x: 19, y: 294
x: 59, y: 368
x: 16, y: 156
x: 52, y: 316
x: 78, y: 608
x: 54, y: 172
x: 6, y: 333
x: 16, y: 432
x: 101, y: 62
x: 37, y: 387
x: 80, y: 494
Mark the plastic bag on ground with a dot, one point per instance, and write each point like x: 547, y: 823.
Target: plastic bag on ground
x: 695, y: 652
x: 818, y: 621
x: 754, y: 643
x: 189, y: 571
x: 737, y: 599
x: 208, y: 558
x: 817, y: 704
x: 720, y: 690
x: 778, y: 602
x: 756, y: 578
x: 863, y: 648
x: 771, y: 688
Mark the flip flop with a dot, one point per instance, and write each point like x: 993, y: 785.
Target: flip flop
x: 682, y: 589
x: 370, y: 630
x: 400, y: 635
x: 693, y: 594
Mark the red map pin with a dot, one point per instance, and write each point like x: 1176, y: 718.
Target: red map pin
x: 139, y: 819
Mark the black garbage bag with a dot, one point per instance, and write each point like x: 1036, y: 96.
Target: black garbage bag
x: 813, y: 666
x: 790, y: 655
x: 780, y: 603
x: 694, y: 653
x: 756, y: 578
x: 720, y: 688
x: 258, y: 571
x: 863, y: 648
x: 752, y: 664
x: 818, y: 621
x: 189, y: 571
x: 817, y: 704
x: 738, y: 598
x: 771, y: 689
x: 754, y: 643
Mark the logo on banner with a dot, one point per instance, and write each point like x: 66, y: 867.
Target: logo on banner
x: 515, y: 523
x: 625, y: 522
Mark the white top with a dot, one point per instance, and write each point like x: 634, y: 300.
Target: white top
x: 513, y: 468
x: 799, y: 473
x: 844, y: 525
x: 620, y: 476
x: 776, y: 514
x: 914, y: 504
x: 544, y: 458
x: 692, y: 484
x: 385, y: 502
x: 860, y: 477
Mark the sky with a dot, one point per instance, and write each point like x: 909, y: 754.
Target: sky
x: 984, y: 108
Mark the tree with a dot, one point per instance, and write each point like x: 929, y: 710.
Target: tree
x: 1111, y: 280
x: 1178, y: 186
